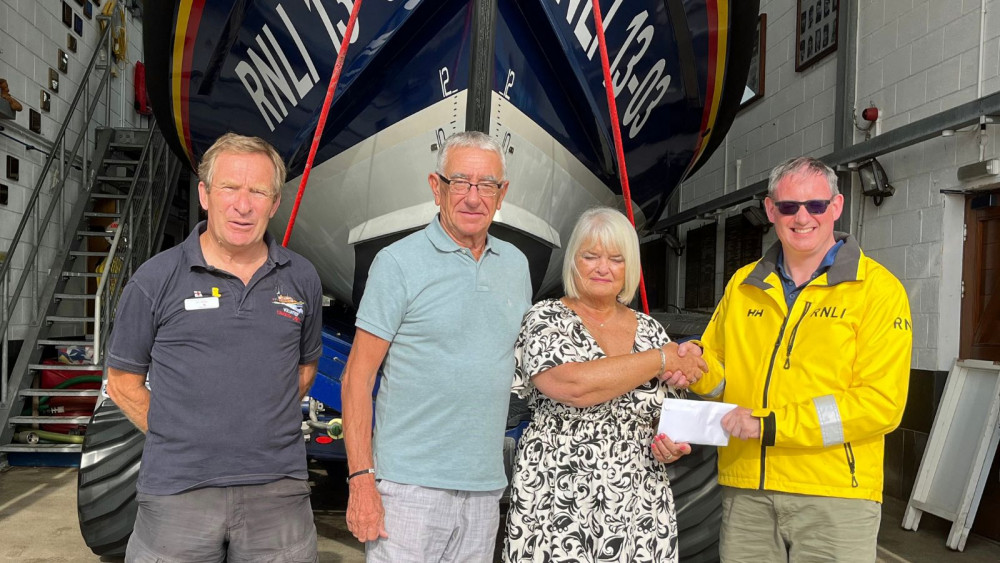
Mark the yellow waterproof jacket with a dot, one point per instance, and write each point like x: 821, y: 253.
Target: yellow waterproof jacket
x: 828, y: 378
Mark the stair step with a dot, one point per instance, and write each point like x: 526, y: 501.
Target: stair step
x: 67, y: 367
x: 54, y: 342
x: 101, y: 214
x: 120, y: 161
x: 102, y: 195
x: 49, y: 420
x: 74, y: 296
x: 115, y: 179
x: 42, y: 448
x: 60, y: 392
x: 62, y: 319
x: 86, y: 253
x: 91, y: 234
x: 126, y: 145
x: 81, y: 275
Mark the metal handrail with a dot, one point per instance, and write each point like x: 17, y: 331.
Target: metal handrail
x: 137, y: 205
x: 56, y: 197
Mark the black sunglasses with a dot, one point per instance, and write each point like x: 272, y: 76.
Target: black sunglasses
x: 813, y: 206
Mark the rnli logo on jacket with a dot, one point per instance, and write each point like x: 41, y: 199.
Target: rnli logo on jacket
x: 829, y: 312
x: 289, y: 307
x: 901, y: 324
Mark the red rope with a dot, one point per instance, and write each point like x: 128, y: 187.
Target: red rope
x: 616, y: 131
x: 334, y: 78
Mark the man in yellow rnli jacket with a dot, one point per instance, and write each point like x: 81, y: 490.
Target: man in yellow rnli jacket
x: 812, y: 342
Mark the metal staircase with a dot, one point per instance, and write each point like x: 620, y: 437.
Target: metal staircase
x: 65, y: 299
x: 126, y: 203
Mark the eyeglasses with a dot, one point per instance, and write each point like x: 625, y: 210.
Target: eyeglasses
x: 813, y: 206
x: 462, y: 187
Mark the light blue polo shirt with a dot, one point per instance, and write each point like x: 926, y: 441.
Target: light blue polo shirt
x: 451, y: 321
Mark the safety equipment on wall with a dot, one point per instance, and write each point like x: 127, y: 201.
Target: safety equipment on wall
x: 119, y: 34
x: 141, y: 99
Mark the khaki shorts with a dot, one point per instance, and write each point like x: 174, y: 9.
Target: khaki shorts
x: 773, y: 526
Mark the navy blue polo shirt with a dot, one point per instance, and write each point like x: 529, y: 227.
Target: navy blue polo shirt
x: 792, y: 291
x: 222, y: 359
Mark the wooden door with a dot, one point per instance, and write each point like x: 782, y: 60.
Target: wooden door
x: 980, y: 324
x: 980, y: 333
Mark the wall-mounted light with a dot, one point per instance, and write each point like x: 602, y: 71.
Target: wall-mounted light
x: 672, y: 241
x: 874, y: 182
x: 757, y: 217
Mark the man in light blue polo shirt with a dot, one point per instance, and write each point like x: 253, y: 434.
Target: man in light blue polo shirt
x: 443, y: 307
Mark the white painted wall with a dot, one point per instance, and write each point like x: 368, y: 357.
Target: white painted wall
x: 913, y: 59
x: 31, y: 34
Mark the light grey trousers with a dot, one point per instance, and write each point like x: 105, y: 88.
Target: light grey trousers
x: 436, y: 525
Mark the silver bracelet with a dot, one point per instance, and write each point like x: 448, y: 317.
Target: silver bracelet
x: 663, y: 362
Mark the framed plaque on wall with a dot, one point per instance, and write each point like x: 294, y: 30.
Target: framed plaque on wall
x: 815, y: 31
x: 755, y: 80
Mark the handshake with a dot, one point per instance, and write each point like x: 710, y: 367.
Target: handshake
x: 684, y: 365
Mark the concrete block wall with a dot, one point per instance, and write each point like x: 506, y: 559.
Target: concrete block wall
x: 31, y: 35
x: 916, y: 59
x: 795, y: 117
x: 913, y: 59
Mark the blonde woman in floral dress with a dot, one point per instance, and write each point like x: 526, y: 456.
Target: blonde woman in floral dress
x: 590, y: 482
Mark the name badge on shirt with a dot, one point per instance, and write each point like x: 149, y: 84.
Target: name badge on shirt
x: 199, y: 303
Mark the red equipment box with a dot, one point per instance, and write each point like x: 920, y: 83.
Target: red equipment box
x: 72, y: 406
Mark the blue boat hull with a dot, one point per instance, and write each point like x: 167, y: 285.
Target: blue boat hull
x: 527, y: 72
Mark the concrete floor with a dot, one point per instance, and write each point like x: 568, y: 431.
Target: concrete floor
x: 38, y: 523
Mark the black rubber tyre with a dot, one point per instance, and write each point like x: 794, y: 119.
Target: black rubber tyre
x: 109, y: 466
x: 698, y: 500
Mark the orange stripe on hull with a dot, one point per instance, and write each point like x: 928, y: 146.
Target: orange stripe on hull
x: 718, y: 23
x: 188, y: 20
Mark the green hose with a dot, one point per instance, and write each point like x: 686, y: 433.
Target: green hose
x: 57, y: 437
x: 49, y: 436
x: 77, y: 380
x: 70, y: 382
x: 42, y: 401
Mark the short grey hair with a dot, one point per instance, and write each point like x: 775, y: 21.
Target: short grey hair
x: 471, y: 140
x: 802, y: 165
x: 241, y: 144
x: 612, y: 230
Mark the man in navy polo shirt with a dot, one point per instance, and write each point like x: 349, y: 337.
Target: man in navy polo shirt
x: 227, y: 326
x: 443, y: 307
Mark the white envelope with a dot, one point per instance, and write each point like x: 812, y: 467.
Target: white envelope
x: 695, y: 422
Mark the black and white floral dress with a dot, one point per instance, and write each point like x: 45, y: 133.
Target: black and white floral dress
x: 586, y: 486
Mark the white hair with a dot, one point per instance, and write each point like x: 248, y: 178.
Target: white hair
x: 471, y: 140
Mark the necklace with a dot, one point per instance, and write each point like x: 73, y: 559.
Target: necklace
x: 587, y: 317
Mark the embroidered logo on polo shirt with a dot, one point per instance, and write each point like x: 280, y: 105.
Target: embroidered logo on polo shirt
x: 291, y: 307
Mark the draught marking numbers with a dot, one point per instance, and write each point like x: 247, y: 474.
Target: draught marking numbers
x: 510, y: 82
x: 444, y: 76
